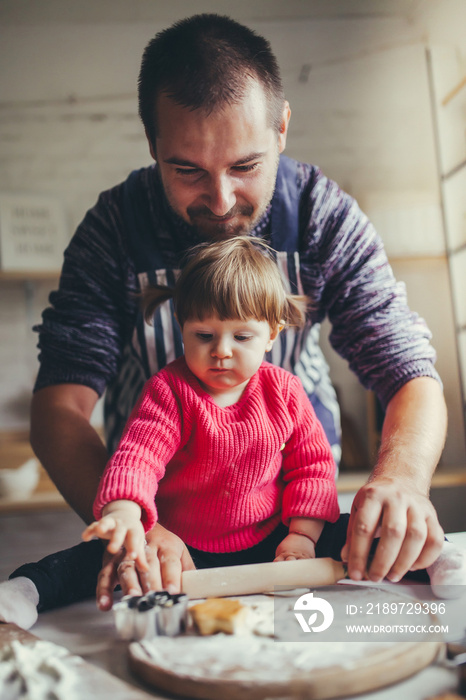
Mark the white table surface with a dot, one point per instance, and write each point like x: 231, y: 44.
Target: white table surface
x: 89, y: 633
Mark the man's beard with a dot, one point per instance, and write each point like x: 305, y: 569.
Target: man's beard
x: 210, y: 226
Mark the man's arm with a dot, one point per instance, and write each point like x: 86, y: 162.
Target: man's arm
x: 67, y: 445
x: 74, y: 456
x: 396, y: 496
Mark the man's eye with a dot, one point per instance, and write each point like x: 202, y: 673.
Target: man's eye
x: 246, y: 168
x: 187, y: 171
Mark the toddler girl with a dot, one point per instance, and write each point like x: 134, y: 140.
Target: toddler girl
x: 222, y: 448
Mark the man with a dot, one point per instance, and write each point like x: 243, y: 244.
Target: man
x: 212, y: 104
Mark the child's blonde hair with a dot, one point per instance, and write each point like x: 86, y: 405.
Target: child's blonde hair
x: 233, y: 278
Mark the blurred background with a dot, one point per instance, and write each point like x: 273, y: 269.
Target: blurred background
x: 378, y: 96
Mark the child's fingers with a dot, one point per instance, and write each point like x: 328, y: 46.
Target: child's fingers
x: 116, y: 537
x: 100, y: 528
x: 135, y: 548
x: 107, y: 523
x: 108, y: 528
x: 88, y: 533
x: 141, y: 562
x: 287, y: 557
x: 92, y: 530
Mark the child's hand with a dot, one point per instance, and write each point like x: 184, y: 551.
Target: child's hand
x: 121, y: 525
x: 167, y: 555
x: 295, y: 546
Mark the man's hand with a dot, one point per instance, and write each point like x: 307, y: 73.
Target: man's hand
x: 404, y: 518
x: 395, y: 502
x: 167, y: 557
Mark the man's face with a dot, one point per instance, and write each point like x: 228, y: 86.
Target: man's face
x: 218, y: 170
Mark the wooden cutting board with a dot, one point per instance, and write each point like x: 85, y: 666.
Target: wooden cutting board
x: 255, y: 668
x: 376, y: 670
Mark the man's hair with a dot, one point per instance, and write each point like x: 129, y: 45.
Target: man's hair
x: 236, y: 278
x: 206, y: 61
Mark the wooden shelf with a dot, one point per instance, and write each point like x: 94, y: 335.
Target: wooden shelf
x: 14, y: 451
x: 38, y: 501
x: 45, y: 497
x: 29, y: 275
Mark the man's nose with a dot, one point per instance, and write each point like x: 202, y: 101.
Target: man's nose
x: 221, y: 196
x: 222, y: 348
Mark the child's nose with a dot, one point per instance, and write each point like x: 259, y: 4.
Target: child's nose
x: 222, y: 348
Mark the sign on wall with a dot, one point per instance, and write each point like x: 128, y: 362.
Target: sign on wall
x: 33, y: 232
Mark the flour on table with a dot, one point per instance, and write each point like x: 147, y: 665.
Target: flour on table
x: 261, y: 617
x: 38, y: 671
x: 252, y: 658
x: 254, y: 655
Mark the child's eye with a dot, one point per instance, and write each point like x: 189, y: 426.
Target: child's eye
x: 204, y: 336
x: 242, y: 338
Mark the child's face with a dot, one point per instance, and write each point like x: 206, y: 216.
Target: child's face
x: 224, y: 355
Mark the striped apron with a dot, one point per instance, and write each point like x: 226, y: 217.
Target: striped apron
x: 154, y: 346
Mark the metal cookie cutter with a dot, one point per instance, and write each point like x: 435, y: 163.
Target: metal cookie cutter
x: 157, y: 613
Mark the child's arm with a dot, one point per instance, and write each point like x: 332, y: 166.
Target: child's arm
x: 301, y: 539
x: 154, y: 428
x: 121, y: 525
x: 308, y: 470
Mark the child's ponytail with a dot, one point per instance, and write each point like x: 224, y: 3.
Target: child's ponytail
x: 295, y: 310
x: 152, y: 297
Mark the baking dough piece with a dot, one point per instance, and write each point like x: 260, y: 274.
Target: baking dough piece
x: 219, y: 615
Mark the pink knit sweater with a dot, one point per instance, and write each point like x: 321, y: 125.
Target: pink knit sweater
x: 222, y: 478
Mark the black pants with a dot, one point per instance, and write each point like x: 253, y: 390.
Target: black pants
x: 71, y: 575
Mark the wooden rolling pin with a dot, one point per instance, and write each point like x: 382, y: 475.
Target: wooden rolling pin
x: 261, y: 578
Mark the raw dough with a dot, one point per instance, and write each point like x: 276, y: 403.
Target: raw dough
x: 219, y: 615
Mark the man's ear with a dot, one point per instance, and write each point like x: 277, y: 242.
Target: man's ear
x: 151, y: 146
x: 284, y: 126
x: 273, y: 336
